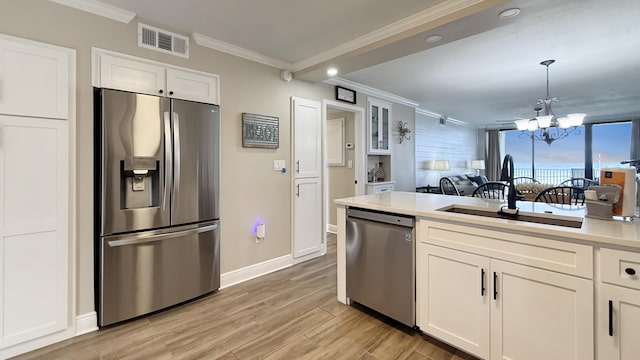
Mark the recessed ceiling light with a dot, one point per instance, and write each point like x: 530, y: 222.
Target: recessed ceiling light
x: 433, y: 38
x: 332, y: 71
x: 509, y: 13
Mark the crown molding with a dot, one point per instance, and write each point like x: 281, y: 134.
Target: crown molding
x: 423, y: 17
x: 438, y: 116
x: 100, y: 9
x: 238, y: 51
x: 372, y: 91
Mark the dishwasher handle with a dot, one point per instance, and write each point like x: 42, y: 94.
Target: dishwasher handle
x: 381, y: 217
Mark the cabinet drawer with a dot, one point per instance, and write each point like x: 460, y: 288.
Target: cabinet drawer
x: 372, y: 189
x: 620, y: 268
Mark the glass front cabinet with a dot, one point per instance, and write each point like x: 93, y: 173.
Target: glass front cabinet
x: 379, y: 127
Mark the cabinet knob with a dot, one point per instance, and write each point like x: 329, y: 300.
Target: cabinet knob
x: 630, y: 271
x: 160, y: 91
x: 170, y: 92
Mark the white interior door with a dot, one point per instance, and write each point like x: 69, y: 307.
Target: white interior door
x: 308, y: 234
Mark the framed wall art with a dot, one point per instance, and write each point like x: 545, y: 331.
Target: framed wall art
x: 260, y: 131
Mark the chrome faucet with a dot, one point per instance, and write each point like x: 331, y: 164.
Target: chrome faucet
x: 507, y: 175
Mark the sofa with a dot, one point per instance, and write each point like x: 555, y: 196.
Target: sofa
x: 467, y: 183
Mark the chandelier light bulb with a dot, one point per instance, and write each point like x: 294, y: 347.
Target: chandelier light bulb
x: 522, y: 124
x: 564, y: 122
x: 576, y: 119
x: 544, y: 121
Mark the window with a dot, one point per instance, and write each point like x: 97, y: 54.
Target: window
x: 565, y: 158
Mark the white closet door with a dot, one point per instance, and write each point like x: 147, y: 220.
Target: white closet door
x: 34, y: 79
x: 34, y: 239
x: 307, y: 212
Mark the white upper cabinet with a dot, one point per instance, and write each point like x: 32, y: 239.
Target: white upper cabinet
x: 379, y: 127
x: 34, y: 80
x: 128, y: 73
x: 190, y: 85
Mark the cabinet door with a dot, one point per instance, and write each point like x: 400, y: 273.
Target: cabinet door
x: 307, y: 138
x: 34, y: 79
x: 307, y: 217
x: 617, y: 319
x: 130, y: 75
x: 453, y: 297
x: 539, y: 314
x: 379, y: 127
x: 34, y: 239
x: 194, y: 86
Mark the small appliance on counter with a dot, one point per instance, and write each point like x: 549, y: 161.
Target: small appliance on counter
x: 600, y: 201
x: 626, y: 179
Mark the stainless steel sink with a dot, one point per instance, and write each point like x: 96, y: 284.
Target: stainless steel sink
x: 548, y: 219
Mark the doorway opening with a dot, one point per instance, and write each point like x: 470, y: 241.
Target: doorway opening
x: 344, y: 156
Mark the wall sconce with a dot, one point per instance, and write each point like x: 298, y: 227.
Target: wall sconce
x: 404, y: 130
x: 478, y: 165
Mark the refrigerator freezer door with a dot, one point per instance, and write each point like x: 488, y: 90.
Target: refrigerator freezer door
x: 196, y: 144
x: 134, y: 141
x: 149, y: 271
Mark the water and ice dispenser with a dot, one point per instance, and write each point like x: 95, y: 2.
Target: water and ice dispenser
x: 139, y: 182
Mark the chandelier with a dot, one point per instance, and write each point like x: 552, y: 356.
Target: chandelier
x: 548, y: 127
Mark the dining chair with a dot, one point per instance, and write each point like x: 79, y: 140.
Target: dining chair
x: 582, y: 183
x: 525, y: 180
x: 447, y: 187
x: 491, y: 190
x: 568, y: 195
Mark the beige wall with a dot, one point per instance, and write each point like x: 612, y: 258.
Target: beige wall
x: 250, y: 187
x: 341, y: 177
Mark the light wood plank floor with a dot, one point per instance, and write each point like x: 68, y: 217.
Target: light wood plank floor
x: 289, y: 314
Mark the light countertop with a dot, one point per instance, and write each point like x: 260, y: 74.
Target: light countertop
x: 616, y: 232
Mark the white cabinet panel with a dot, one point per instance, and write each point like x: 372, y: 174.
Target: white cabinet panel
x: 617, y: 335
x: 307, y: 217
x: 130, y: 75
x: 34, y: 80
x: 454, y: 292
x: 539, y: 314
x: 307, y: 140
x: 34, y: 242
x: 189, y: 85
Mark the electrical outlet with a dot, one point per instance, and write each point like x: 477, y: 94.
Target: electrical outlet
x: 278, y: 165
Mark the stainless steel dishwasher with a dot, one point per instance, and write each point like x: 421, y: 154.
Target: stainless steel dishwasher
x: 380, y: 250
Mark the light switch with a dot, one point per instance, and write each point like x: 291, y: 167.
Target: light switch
x: 278, y: 165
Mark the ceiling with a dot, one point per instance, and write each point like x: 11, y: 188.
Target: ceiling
x: 484, y: 72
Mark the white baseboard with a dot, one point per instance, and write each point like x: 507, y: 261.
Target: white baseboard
x: 332, y: 229
x: 86, y: 323
x: 313, y: 255
x: 253, y: 271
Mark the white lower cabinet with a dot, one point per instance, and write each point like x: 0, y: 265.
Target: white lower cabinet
x: 497, y: 309
x: 617, y: 319
x: 618, y: 305
x: 453, y: 297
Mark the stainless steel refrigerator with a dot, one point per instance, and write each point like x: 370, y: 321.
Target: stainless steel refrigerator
x: 157, y: 171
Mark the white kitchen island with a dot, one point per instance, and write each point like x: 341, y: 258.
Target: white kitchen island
x: 509, y: 289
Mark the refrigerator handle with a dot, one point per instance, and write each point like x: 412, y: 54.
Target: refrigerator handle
x: 176, y: 153
x: 168, y: 160
x: 163, y: 236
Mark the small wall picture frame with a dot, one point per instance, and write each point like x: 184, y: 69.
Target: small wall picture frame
x: 346, y: 95
x: 260, y: 131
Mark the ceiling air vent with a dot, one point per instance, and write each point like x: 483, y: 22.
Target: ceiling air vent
x: 164, y: 41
